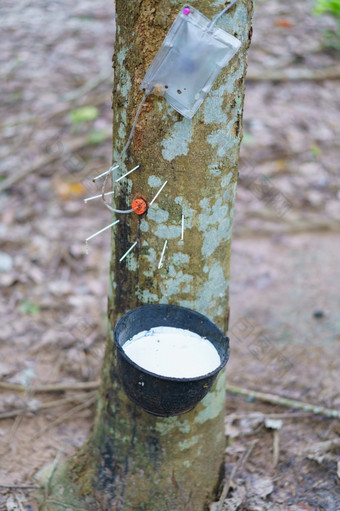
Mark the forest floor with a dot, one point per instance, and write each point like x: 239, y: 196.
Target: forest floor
x: 284, y: 295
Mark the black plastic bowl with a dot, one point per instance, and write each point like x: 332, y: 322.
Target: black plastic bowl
x: 162, y: 395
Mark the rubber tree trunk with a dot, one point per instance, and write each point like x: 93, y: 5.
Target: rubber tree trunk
x: 132, y: 460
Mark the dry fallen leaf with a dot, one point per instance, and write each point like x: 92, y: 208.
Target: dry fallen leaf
x: 11, y: 505
x: 301, y: 506
x: 262, y: 486
x: 321, y: 451
x: 231, y: 431
x: 283, y: 23
x: 234, y: 502
x: 67, y: 190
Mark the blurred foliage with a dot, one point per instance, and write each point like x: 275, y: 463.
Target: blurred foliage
x: 28, y: 307
x: 248, y: 138
x: 98, y: 136
x: 68, y: 190
x: 315, y: 151
x: 83, y: 114
x: 332, y: 7
x: 328, y: 6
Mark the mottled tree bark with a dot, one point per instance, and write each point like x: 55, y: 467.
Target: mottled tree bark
x: 132, y: 460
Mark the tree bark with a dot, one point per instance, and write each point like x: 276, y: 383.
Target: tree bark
x: 132, y: 460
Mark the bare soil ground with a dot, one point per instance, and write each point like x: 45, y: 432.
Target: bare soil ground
x: 285, y: 323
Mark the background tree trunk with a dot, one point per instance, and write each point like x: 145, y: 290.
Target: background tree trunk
x: 132, y: 460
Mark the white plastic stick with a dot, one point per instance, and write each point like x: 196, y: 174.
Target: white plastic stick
x: 182, y: 233
x: 111, y: 169
x: 102, y: 230
x: 128, y: 251
x: 121, y: 177
x: 98, y: 196
x: 160, y: 264
x: 159, y: 191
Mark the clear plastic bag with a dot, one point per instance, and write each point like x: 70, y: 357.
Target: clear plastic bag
x: 187, y: 64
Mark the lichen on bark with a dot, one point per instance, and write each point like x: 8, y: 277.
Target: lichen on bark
x: 132, y: 460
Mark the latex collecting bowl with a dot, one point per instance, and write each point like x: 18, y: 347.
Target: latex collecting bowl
x: 163, y: 395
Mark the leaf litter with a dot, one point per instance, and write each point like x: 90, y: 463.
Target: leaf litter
x: 53, y: 313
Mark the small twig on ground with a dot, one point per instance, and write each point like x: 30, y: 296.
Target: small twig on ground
x: 12, y: 433
x: 286, y: 228
x: 43, y: 406
x: 241, y: 462
x: 21, y: 173
x: 17, y: 498
x: 52, y: 387
x: 20, y: 486
x: 284, y: 401
x: 291, y: 225
x: 87, y: 87
x: 61, y: 504
x: 294, y: 74
x: 268, y: 398
x: 65, y: 416
x: 50, y: 475
x: 93, y: 101
x: 276, y: 447
x: 259, y: 415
